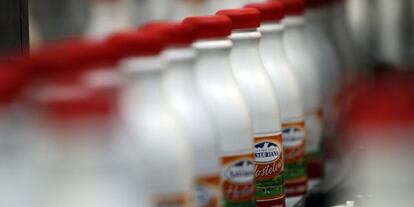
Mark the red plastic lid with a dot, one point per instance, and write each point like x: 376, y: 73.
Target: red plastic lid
x: 173, y: 33
x: 208, y: 27
x: 269, y: 11
x: 65, y: 97
x: 246, y: 18
x: 70, y: 59
x: 12, y: 80
x: 294, y: 7
x: 83, y: 105
x: 129, y: 44
x: 91, y: 55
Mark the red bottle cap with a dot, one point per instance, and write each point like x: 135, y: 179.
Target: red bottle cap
x: 208, y: 27
x: 67, y: 60
x: 246, y: 18
x: 84, y: 104
x: 89, y: 54
x: 294, y: 7
x: 12, y: 80
x: 269, y: 11
x: 130, y: 44
x: 173, y: 33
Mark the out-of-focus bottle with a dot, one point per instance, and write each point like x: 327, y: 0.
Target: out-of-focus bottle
x: 307, y: 72
x: 263, y: 104
x: 217, y: 85
x: 186, y: 103
x: 289, y: 95
x: 339, y: 28
x: 83, y: 158
x: 16, y: 172
x: 160, y: 139
x: 323, y: 47
x: 324, y: 50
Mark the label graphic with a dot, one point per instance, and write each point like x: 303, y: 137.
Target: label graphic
x: 269, y: 171
x: 182, y: 200
x: 238, y: 181
x: 295, y: 164
x: 208, y: 191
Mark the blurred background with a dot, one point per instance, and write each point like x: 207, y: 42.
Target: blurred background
x: 381, y: 29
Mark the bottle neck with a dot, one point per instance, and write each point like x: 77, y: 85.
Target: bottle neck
x: 213, y: 57
x: 179, y: 57
x: 143, y: 85
x: 294, y: 26
x: 272, y: 40
x: 292, y: 22
x: 246, y: 45
x: 180, y: 63
x: 272, y: 33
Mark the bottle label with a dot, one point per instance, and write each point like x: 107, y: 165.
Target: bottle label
x: 181, y: 200
x: 269, y: 171
x: 295, y: 164
x: 208, y: 191
x: 237, y: 183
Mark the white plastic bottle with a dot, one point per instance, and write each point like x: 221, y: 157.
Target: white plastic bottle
x: 186, y: 103
x: 83, y: 158
x: 289, y: 94
x: 16, y: 169
x: 340, y: 31
x: 163, y: 144
x: 263, y: 104
x: 220, y: 91
x: 325, y: 53
x: 307, y: 72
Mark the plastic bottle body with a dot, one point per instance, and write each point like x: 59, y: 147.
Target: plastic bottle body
x: 289, y: 94
x: 347, y: 49
x: 81, y: 155
x: 148, y: 119
x: 216, y: 84
x: 263, y: 104
x: 17, y: 171
x: 84, y: 168
x: 307, y: 72
x: 324, y: 52
x: 187, y: 105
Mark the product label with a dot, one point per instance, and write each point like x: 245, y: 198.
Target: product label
x: 269, y: 171
x: 208, y: 191
x: 238, y: 184
x: 181, y: 200
x: 295, y: 164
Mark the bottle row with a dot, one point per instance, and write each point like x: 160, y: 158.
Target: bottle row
x: 220, y: 110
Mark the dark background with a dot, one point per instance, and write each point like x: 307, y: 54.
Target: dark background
x: 14, y: 31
